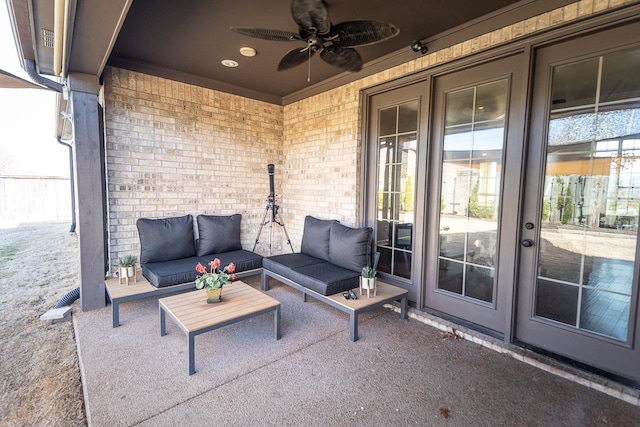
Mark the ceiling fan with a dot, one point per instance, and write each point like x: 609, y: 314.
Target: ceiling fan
x: 335, y: 42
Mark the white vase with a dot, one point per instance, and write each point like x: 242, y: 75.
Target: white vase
x: 368, y: 282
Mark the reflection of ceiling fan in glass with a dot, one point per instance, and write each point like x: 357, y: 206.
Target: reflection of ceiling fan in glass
x: 335, y: 42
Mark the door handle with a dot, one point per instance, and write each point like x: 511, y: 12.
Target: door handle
x: 527, y: 243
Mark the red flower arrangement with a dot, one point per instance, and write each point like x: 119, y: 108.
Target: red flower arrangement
x: 215, y: 278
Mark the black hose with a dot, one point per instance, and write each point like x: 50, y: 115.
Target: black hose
x: 69, y: 298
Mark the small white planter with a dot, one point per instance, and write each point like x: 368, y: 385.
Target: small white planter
x: 368, y: 283
x: 125, y: 273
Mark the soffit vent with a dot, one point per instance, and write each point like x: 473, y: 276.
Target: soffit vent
x: 47, y: 38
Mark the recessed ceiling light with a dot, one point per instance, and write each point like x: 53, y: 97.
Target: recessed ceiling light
x: 229, y: 63
x: 247, y: 51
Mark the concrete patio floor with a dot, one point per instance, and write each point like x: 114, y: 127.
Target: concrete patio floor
x: 398, y: 373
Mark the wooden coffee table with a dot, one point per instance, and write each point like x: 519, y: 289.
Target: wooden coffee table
x: 194, y: 316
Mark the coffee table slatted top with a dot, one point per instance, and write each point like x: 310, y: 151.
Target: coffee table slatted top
x: 192, y: 312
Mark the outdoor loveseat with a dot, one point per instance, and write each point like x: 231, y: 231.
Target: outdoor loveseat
x: 169, y: 254
x: 169, y: 251
x: 329, y: 263
x: 330, y: 260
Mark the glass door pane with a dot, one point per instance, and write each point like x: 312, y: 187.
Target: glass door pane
x: 591, y: 196
x: 470, y: 189
x: 397, y: 163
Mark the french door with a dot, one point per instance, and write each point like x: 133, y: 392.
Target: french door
x: 578, y: 283
x: 395, y: 186
x: 475, y: 166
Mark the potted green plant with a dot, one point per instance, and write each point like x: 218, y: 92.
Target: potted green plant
x: 213, y: 280
x: 368, y: 280
x: 128, y: 266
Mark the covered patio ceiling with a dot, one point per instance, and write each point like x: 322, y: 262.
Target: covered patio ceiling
x: 188, y: 41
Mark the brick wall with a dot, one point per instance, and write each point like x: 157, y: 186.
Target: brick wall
x: 174, y: 148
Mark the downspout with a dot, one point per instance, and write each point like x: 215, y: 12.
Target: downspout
x: 30, y: 68
x: 73, y: 184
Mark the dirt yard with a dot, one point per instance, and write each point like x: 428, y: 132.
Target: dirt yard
x: 39, y: 374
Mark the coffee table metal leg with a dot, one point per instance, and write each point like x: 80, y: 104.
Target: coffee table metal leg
x: 403, y: 308
x: 354, y: 326
x: 163, y: 323
x: 115, y: 312
x: 192, y: 362
x: 276, y: 317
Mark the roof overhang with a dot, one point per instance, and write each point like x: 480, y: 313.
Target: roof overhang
x: 9, y: 81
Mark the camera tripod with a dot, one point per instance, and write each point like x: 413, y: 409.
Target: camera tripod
x: 273, y: 208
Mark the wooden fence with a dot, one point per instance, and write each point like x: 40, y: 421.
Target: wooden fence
x: 34, y: 198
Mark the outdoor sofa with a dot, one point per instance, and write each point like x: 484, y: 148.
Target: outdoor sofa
x: 330, y: 260
x: 329, y: 263
x: 169, y: 251
x: 169, y: 254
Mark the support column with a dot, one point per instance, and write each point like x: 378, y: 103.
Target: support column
x: 90, y: 203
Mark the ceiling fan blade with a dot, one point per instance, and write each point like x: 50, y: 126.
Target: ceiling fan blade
x: 266, y: 34
x: 310, y: 15
x: 361, y: 33
x: 348, y: 59
x: 295, y: 57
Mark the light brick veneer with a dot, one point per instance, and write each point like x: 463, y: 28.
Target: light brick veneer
x: 174, y: 148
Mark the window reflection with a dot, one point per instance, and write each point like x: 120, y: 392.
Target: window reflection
x: 591, y: 197
x: 397, y: 145
x: 470, y: 189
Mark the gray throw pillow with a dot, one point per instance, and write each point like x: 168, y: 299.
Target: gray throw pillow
x: 350, y: 248
x: 315, y: 238
x: 166, y: 239
x: 218, y: 234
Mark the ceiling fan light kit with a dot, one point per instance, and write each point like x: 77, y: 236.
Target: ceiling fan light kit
x: 335, y: 43
x: 247, y: 51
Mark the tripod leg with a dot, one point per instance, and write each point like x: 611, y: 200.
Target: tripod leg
x: 288, y: 239
x: 281, y: 224
x: 260, y: 230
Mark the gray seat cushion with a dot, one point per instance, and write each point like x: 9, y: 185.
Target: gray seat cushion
x: 218, y: 234
x: 315, y: 238
x: 166, y: 239
x: 244, y: 260
x: 169, y: 273
x: 325, y: 278
x: 283, y: 264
